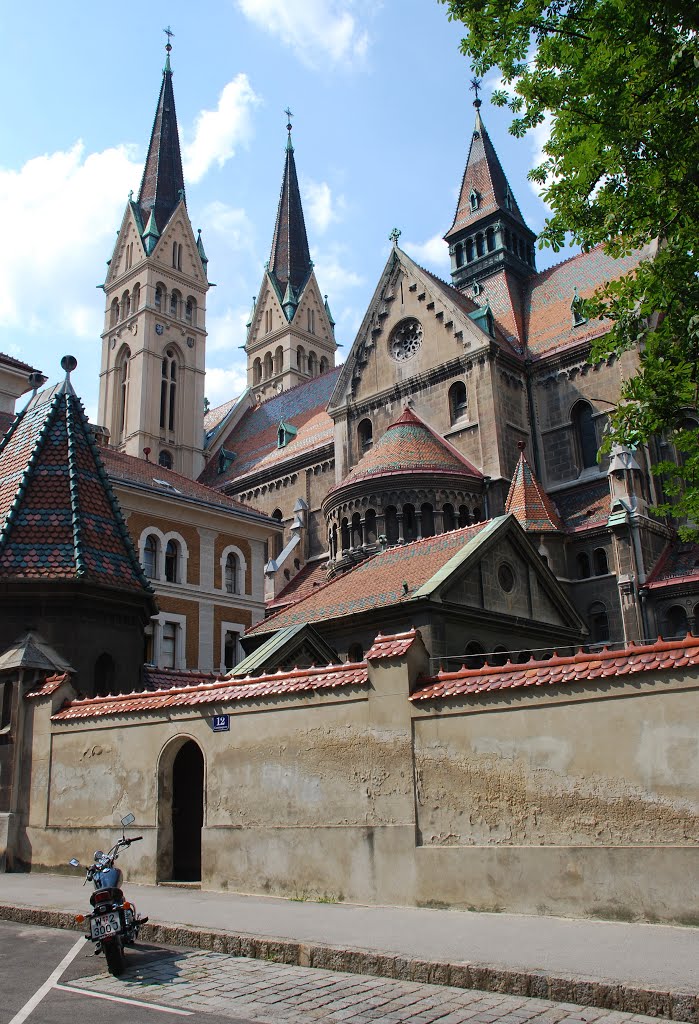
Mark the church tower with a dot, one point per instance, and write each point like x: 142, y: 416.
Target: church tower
x: 153, y: 343
x: 291, y: 332
x: 489, y: 235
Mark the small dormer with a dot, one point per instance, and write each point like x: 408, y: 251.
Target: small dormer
x: 577, y: 308
x: 285, y: 433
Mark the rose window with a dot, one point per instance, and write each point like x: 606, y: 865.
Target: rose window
x: 406, y: 339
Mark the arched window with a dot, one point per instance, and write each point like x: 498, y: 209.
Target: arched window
x: 256, y: 372
x: 356, y: 530
x: 675, y: 623
x: 345, y: 534
x: 278, y: 541
x: 458, y: 401
x: 311, y: 321
x: 355, y: 652
x: 459, y: 255
x: 490, y: 239
x: 165, y: 459
x: 114, y: 312
x: 585, y: 434
x: 177, y: 255
x: 301, y: 358
x: 136, y: 298
x: 582, y: 561
x: 168, y: 390
x: 125, y: 305
x: 473, y: 199
x: 474, y: 655
x: 232, y: 573
x: 151, y: 550
x: 268, y: 366
x: 469, y: 250
x: 324, y: 365
x: 427, y: 520
x: 508, y: 239
x: 278, y: 359
x: 599, y: 623
x: 333, y: 541
x: 268, y: 321
x: 365, y: 435
x: 600, y: 559
x: 499, y: 656
x: 103, y: 675
x: 190, y: 310
x: 464, y: 516
x: 370, y: 526
x: 174, y: 302
x: 409, y: 522
x: 172, y: 561
x: 312, y: 364
x: 158, y: 297
x: 448, y: 517
x: 124, y: 373
x: 476, y: 514
x: 480, y: 244
x: 391, y: 517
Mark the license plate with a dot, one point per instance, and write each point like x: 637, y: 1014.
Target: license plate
x: 102, y: 925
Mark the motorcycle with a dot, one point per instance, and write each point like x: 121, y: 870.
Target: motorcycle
x: 113, y: 922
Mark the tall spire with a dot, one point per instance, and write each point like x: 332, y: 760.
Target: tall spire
x: 290, y: 261
x: 488, y: 233
x: 162, y: 185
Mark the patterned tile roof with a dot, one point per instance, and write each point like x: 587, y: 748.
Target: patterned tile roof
x: 213, y: 417
x: 580, y: 668
x: 49, y: 686
x: 503, y: 336
x: 387, y: 579
x: 305, y: 582
x: 128, y: 469
x: 585, y: 507
x: 59, y: 518
x: 528, y: 501
x: 551, y: 292
x: 162, y: 184
x: 504, y: 293
x: 171, y: 678
x: 395, y: 645
x: 484, y: 175
x: 410, y: 446
x: 223, y: 691
x: 254, y: 439
x: 290, y: 259
x: 679, y: 563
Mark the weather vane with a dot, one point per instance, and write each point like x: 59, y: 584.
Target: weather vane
x: 289, y: 116
x: 169, y: 33
x: 476, y: 87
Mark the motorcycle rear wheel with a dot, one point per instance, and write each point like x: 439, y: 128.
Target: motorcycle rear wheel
x: 114, y: 954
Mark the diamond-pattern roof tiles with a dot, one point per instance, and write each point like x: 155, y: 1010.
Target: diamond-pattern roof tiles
x: 409, y: 446
x: 162, y: 185
x: 290, y: 260
x: 59, y: 518
x: 528, y: 501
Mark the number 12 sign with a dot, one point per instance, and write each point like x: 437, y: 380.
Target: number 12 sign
x: 221, y: 723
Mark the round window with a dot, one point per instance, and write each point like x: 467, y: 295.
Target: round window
x: 506, y: 577
x: 406, y: 339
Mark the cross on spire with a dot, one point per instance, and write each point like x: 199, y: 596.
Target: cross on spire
x: 476, y: 87
x: 169, y: 33
x: 289, y: 116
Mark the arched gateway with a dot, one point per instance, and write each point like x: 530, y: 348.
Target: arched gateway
x: 180, y: 811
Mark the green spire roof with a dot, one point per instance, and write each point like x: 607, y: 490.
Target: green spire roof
x: 162, y: 185
x: 290, y: 260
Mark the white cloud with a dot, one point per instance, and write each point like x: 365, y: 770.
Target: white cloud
x: 218, y: 132
x: 322, y: 209
x: 227, y: 331
x: 333, y: 274
x: 432, y: 253
x: 59, y: 214
x: 222, y: 385
x: 232, y: 224
x: 318, y: 31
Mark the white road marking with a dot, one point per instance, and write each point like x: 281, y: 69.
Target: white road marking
x: 121, y: 999
x: 32, y: 1003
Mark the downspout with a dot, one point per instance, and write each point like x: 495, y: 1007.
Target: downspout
x: 532, y: 421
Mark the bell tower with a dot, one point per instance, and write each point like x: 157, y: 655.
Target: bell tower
x: 153, y: 343
x: 291, y: 332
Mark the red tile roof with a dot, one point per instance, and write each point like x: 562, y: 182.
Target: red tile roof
x: 395, y: 645
x: 305, y: 582
x: 503, y: 337
x: 678, y: 564
x: 585, y: 507
x: 223, y: 691
x: 49, y: 686
x: 387, y: 579
x: 410, y: 447
x: 128, y: 469
x: 529, y: 502
x: 59, y: 518
x: 212, y: 417
x: 253, y: 440
x: 169, y: 678
x: 583, y: 667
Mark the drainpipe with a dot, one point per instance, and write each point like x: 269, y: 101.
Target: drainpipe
x: 532, y: 421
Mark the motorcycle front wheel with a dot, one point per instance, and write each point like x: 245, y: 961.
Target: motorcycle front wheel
x: 114, y: 953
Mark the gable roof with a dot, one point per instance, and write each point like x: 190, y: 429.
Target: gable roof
x: 283, y: 645
x: 528, y: 501
x: 311, y: 576
x: 59, y: 518
x: 253, y: 440
x: 387, y: 579
x: 678, y: 564
x: 410, y: 446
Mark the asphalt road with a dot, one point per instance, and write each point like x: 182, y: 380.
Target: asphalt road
x: 29, y: 956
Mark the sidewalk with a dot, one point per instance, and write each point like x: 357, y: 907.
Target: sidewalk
x: 639, y: 968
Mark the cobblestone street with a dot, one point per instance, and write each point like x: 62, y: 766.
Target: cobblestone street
x: 274, y: 993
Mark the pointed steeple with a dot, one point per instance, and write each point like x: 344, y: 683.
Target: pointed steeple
x: 290, y: 261
x: 489, y: 233
x: 162, y: 185
x: 528, y: 502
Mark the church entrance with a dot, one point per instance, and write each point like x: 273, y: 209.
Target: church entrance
x: 187, y: 812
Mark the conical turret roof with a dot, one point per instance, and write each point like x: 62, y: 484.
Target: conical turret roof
x: 528, y: 501
x: 59, y: 518
x: 290, y: 260
x: 162, y: 185
x: 410, y: 447
x: 485, y: 178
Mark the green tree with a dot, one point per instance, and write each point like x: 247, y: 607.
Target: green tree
x: 618, y: 82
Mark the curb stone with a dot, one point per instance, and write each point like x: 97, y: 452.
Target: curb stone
x: 536, y: 984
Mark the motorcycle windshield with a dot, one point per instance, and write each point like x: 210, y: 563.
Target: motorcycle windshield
x: 109, y: 878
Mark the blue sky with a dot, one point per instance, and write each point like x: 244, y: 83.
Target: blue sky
x: 382, y: 123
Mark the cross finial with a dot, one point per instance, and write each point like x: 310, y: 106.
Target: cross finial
x: 169, y: 33
x: 476, y: 87
x: 394, y: 236
x: 289, y: 116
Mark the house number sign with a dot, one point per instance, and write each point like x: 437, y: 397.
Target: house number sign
x: 221, y: 723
